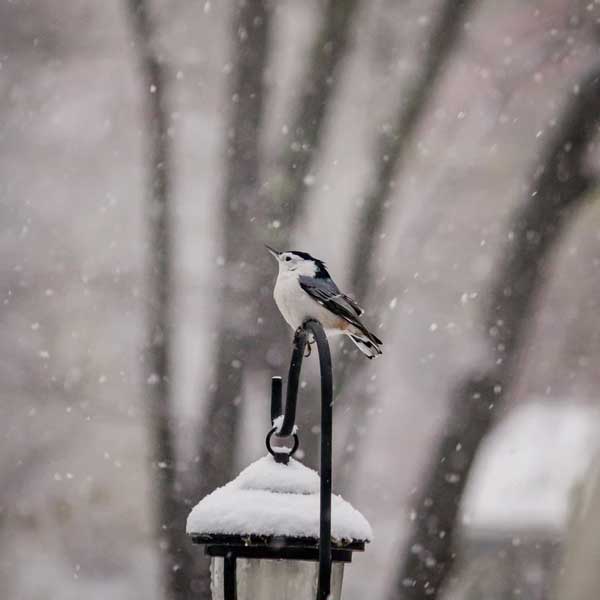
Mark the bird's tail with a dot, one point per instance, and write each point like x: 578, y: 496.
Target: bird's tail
x: 369, y: 345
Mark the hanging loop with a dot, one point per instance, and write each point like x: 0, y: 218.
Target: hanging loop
x: 281, y: 455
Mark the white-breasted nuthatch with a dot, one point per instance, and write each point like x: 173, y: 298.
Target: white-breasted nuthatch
x: 304, y: 290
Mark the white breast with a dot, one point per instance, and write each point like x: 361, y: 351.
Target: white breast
x: 297, y: 306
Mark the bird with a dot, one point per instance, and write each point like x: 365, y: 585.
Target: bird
x: 305, y: 290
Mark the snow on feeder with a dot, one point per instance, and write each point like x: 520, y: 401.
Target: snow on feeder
x: 271, y: 511
x: 276, y: 531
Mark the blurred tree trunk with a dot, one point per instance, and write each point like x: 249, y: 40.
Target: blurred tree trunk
x: 558, y: 189
x: 249, y: 272
x: 244, y: 334
x: 288, y: 192
x: 241, y: 210
x: 443, y: 40
x: 159, y: 286
x: 393, y: 146
x: 318, y: 85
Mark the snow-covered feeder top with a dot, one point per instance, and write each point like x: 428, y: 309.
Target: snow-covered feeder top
x: 270, y: 499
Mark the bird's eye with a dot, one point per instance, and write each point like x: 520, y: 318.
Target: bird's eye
x: 288, y: 258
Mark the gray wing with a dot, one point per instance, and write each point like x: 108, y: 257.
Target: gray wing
x: 326, y: 293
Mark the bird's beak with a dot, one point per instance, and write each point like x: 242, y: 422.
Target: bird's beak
x: 273, y: 252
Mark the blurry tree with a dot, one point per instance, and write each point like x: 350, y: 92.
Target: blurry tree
x: 288, y: 191
x: 394, y: 144
x: 241, y: 211
x: 159, y: 290
x: 247, y: 210
x: 558, y: 189
x: 316, y: 90
x: 243, y: 338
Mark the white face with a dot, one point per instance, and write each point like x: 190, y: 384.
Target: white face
x: 292, y: 263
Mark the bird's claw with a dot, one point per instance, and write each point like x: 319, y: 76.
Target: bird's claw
x: 308, y: 350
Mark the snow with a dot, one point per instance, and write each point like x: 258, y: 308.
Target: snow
x: 269, y: 498
x: 278, y: 424
x: 528, y: 466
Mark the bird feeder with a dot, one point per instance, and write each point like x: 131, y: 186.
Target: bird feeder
x: 262, y: 532
x: 276, y: 532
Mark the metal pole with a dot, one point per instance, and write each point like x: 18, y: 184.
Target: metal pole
x: 230, y: 576
x: 324, y: 582
x: 291, y: 397
x: 276, y: 402
x: 289, y: 418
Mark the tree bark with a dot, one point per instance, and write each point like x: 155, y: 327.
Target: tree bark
x: 393, y: 145
x: 558, y: 189
x: 249, y: 273
x: 242, y: 208
x: 318, y: 85
x: 159, y: 286
x: 443, y: 40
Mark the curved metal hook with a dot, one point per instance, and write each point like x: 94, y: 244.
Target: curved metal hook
x: 291, y: 397
x: 287, y: 428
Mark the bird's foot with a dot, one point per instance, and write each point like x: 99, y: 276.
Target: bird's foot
x: 308, y: 349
